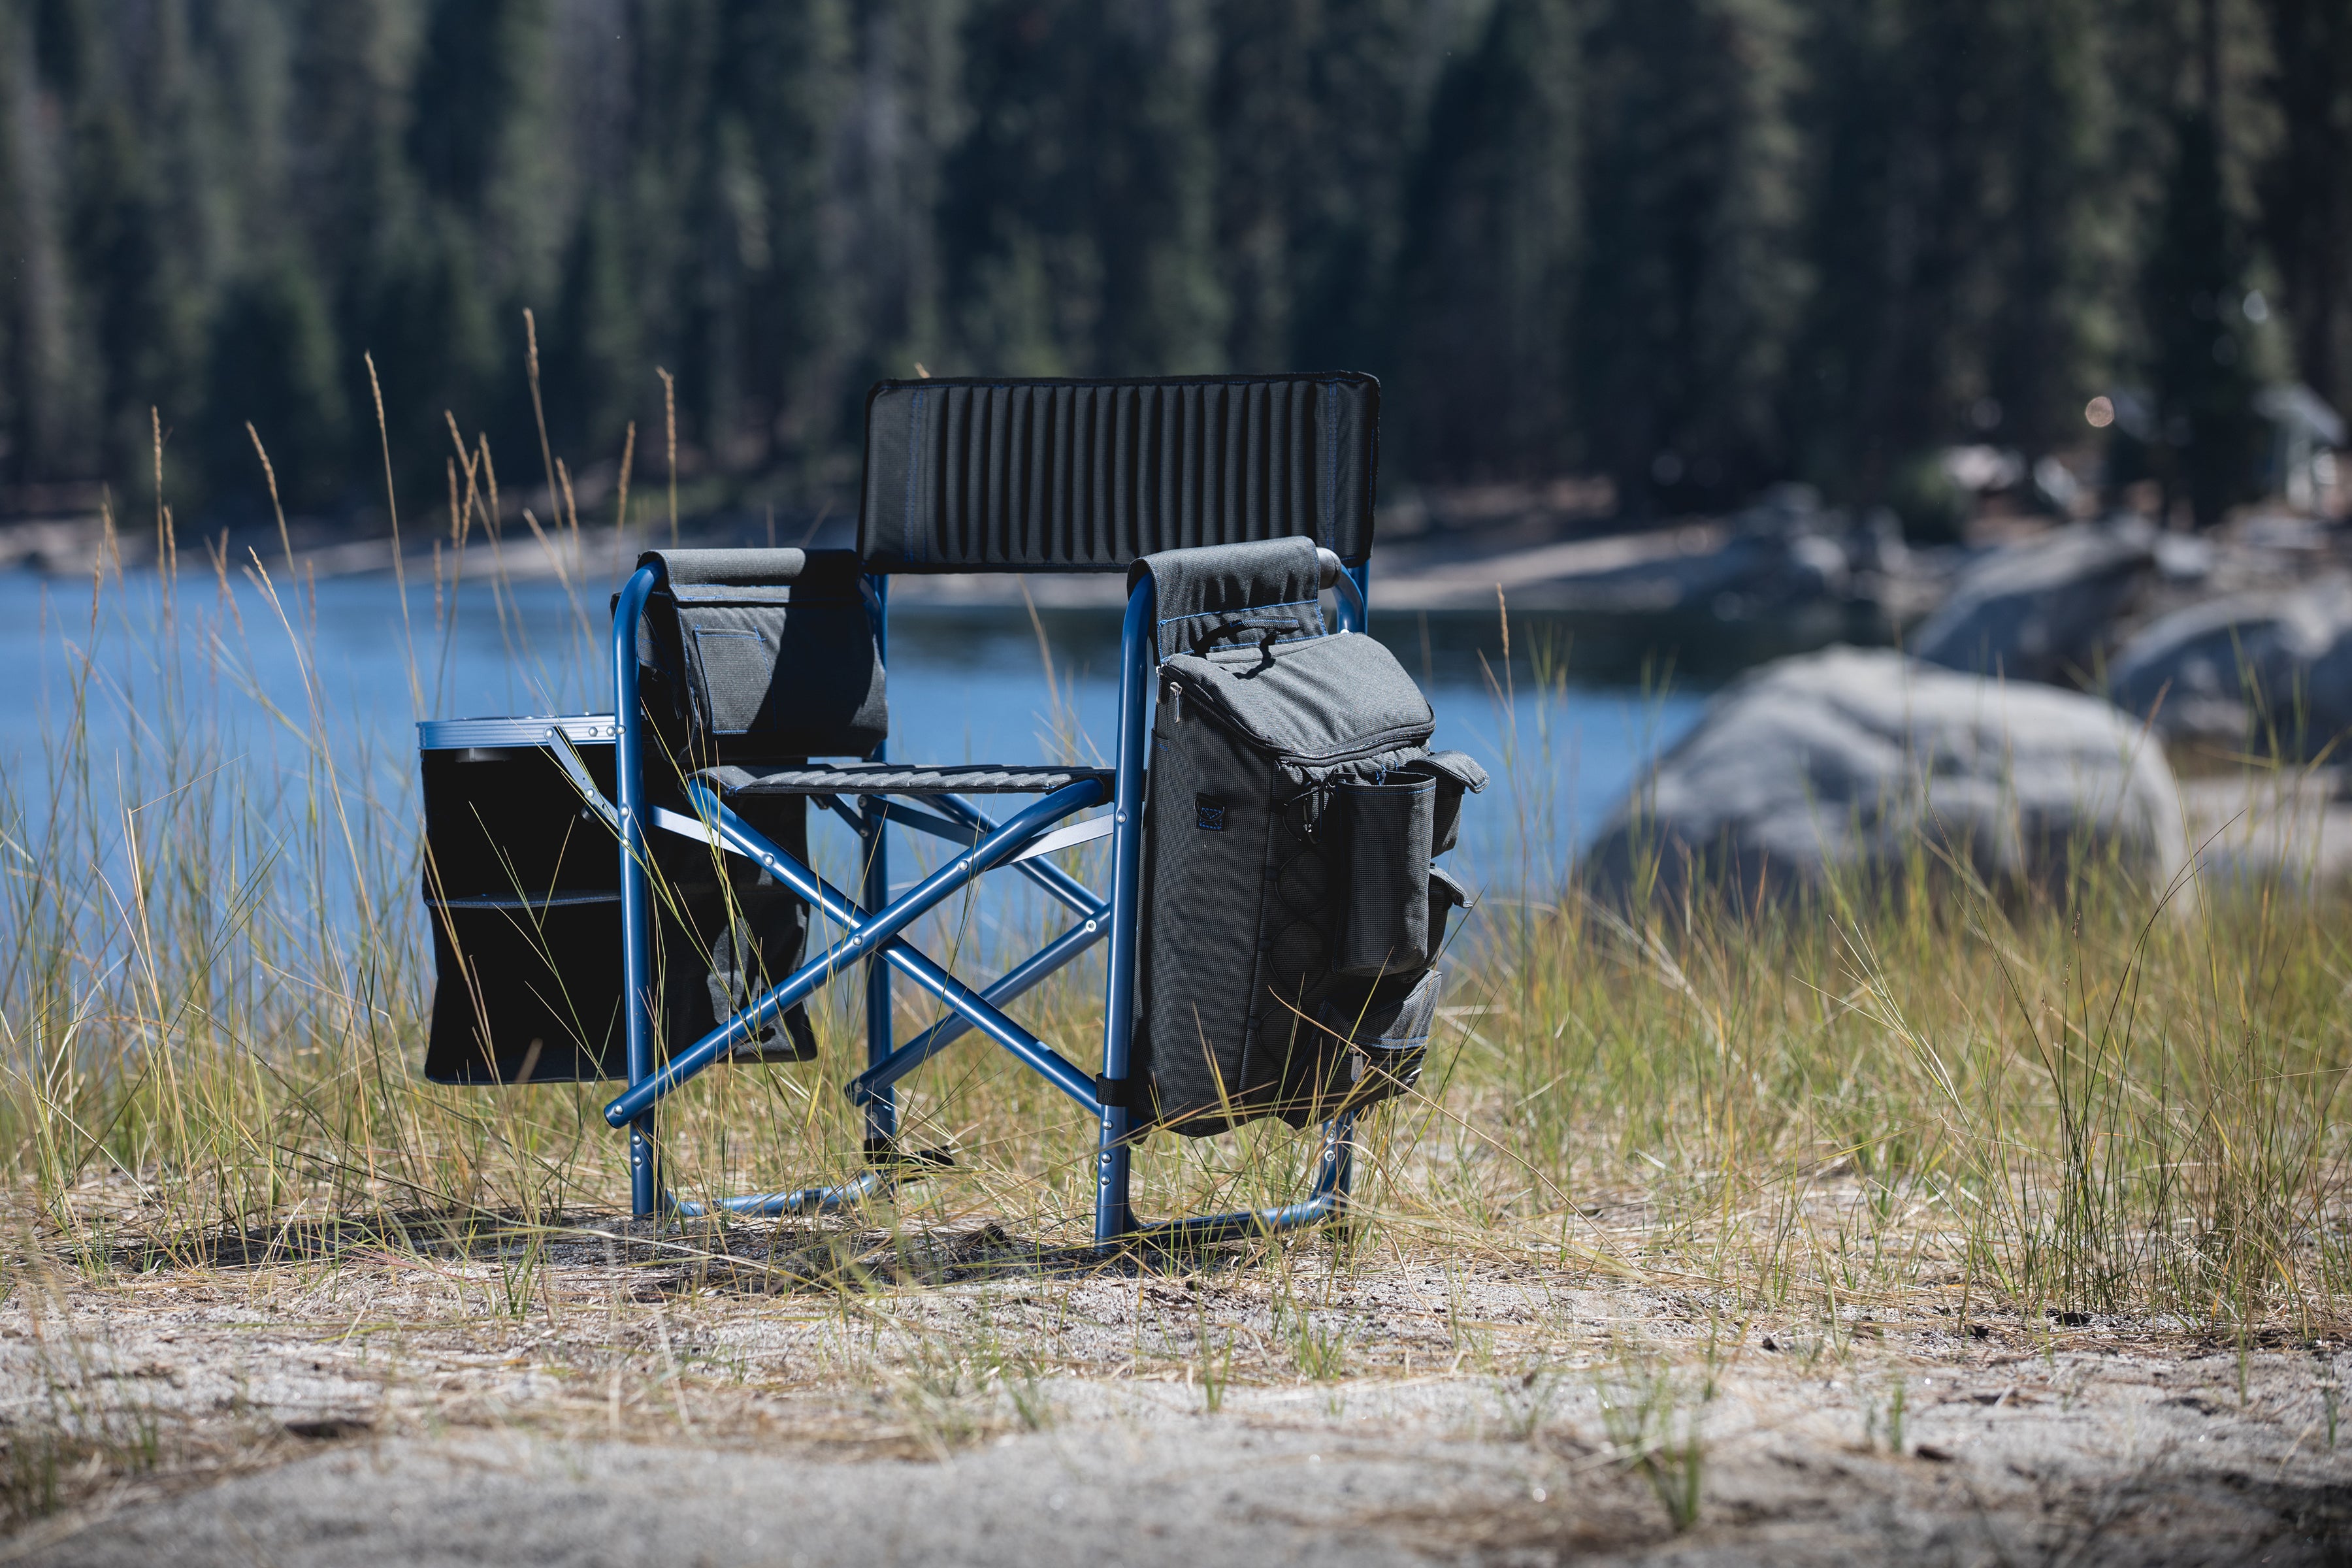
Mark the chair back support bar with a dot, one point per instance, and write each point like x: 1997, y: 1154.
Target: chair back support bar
x: 1090, y: 476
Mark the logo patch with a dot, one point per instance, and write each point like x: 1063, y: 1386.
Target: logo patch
x: 1210, y: 813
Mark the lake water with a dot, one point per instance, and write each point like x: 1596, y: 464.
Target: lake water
x: 965, y: 684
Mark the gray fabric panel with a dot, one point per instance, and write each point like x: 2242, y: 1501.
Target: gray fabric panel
x: 763, y: 654
x: 733, y: 651
x: 1235, y: 595
x: 1087, y: 476
x: 1205, y: 889
x: 723, y: 594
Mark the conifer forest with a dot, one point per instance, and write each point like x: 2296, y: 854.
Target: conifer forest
x: 1696, y: 246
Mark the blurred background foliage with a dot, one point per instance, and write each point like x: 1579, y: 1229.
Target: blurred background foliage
x: 1695, y: 245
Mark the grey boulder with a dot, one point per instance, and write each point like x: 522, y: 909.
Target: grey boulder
x: 1854, y: 761
x: 2039, y: 610
x: 2264, y: 670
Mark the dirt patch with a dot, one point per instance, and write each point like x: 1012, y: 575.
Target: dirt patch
x: 594, y: 1391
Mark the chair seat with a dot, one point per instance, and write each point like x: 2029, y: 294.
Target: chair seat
x: 898, y: 778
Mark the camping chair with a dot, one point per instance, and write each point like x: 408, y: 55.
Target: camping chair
x: 961, y: 475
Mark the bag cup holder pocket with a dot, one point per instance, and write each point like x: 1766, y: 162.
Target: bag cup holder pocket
x: 1385, y: 927
x: 1456, y: 773
x: 1389, y: 1039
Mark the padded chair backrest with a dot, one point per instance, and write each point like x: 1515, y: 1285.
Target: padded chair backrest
x: 1090, y: 476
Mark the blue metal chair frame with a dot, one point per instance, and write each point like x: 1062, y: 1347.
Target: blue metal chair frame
x: 872, y: 935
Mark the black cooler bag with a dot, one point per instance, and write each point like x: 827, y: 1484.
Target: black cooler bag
x: 1293, y: 914
x: 744, y: 656
x: 523, y: 894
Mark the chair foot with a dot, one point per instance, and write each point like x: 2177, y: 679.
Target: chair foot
x: 1248, y: 1225
x: 879, y: 1181
x: 1327, y: 1206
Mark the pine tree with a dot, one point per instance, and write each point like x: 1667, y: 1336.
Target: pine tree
x: 591, y: 352
x: 1488, y: 267
x: 117, y: 240
x: 1694, y: 279
x: 1955, y: 211
x: 2305, y: 185
x: 894, y: 136
x: 774, y: 256
x: 1078, y: 218
x: 488, y: 241
x: 362, y: 219
x: 2193, y: 290
x: 273, y: 363
x: 1313, y: 116
x: 57, y: 411
x: 17, y: 365
x: 2042, y: 323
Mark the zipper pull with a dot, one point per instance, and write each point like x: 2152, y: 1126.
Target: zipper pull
x: 1172, y: 700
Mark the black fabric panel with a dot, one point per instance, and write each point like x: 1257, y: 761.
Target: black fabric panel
x: 1088, y: 476
x: 526, y: 994
x: 1228, y: 595
x: 762, y: 655
x: 1456, y: 773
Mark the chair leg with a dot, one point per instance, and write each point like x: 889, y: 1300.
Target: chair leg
x: 882, y: 1106
x: 1138, y: 648
x: 636, y: 896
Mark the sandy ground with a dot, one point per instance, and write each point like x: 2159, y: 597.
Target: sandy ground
x: 806, y: 1398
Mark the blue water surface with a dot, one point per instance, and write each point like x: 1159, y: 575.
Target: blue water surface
x: 262, y: 670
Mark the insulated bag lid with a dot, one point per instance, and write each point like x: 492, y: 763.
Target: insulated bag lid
x: 1327, y: 697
